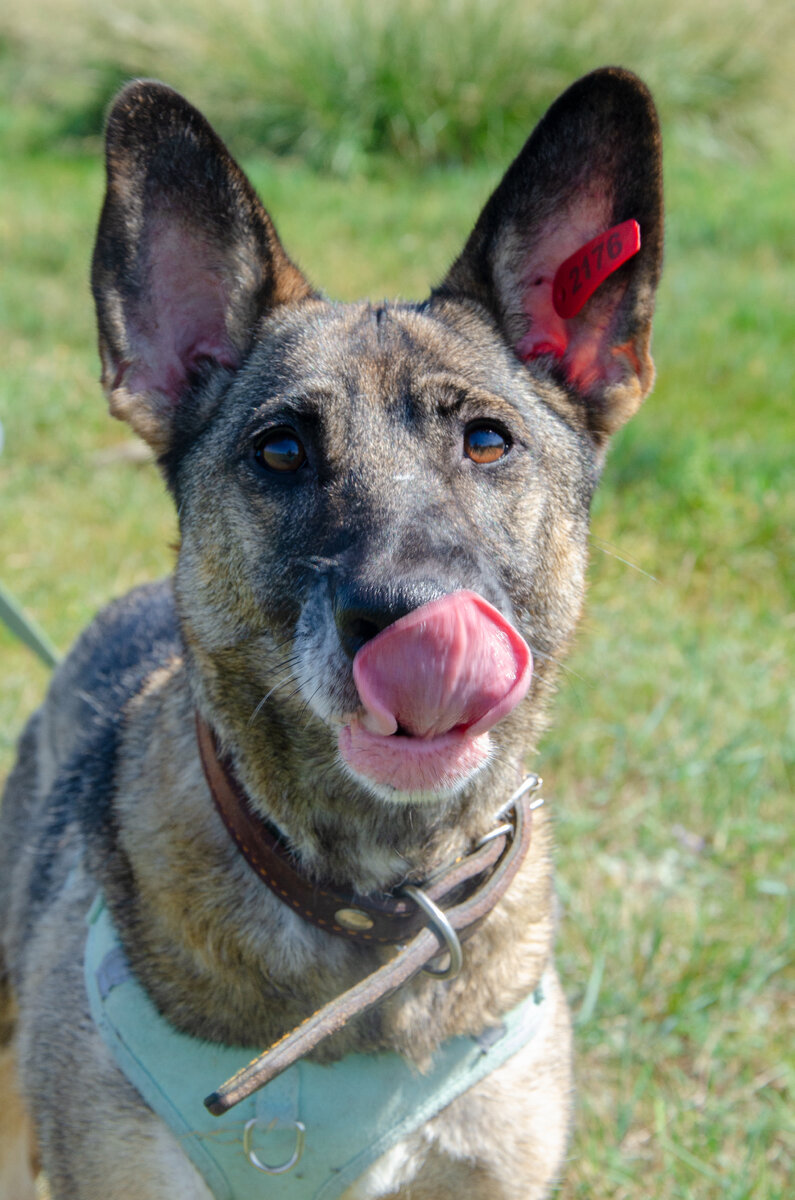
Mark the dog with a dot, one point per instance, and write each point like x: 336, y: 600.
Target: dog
x: 383, y: 537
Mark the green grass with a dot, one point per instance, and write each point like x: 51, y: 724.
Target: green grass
x: 670, y: 762
x: 338, y: 81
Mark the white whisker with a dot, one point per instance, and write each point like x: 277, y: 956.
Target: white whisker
x: 612, y: 553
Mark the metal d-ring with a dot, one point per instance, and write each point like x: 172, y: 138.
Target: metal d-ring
x: 442, y: 928
x: 282, y: 1168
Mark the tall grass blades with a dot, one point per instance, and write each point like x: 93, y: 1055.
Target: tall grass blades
x: 337, y: 81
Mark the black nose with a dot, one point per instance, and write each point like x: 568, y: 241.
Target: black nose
x: 360, y: 611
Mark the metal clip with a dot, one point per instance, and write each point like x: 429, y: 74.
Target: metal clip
x: 442, y: 928
x: 506, y: 830
x: 251, y: 1154
x: 531, y: 783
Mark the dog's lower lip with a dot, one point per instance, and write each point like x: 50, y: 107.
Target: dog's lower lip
x: 413, y: 764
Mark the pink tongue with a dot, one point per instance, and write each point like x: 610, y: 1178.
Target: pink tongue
x: 455, y: 663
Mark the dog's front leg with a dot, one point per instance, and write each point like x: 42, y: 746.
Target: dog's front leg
x: 17, y: 1153
x: 97, y: 1138
x: 118, y: 1150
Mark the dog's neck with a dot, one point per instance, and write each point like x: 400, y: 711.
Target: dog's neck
x: 286, y: 758
x: 338, y: 831
x: 380, y: 917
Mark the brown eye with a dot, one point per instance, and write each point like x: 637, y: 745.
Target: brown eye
x: 485, y: 444
x: 280, y: 450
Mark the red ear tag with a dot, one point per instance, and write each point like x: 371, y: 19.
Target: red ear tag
x: 583, y: 272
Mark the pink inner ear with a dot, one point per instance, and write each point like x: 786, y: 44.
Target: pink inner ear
x: 580, y: 341
x: 181, y: 315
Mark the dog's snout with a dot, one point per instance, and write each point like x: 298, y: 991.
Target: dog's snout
x: 360, y: 612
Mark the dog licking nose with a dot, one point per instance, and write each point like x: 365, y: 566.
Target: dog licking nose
x: 454, y: 663
x: 442, y: 676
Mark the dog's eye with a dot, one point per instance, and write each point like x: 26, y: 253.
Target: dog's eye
x: 280, y: 450
x: 485, y: 444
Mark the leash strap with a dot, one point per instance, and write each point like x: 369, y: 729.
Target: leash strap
x: 359, y: 999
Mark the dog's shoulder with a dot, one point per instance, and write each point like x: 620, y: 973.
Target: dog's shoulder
x: 83, y: 715
x: 127, y: 640
x: 64, y: 778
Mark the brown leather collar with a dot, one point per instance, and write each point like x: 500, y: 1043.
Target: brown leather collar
x: 470, y: 888
x: 379, y: 918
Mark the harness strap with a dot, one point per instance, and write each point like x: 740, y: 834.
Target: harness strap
x: 352, y: 1111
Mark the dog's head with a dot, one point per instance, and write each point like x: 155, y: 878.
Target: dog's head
x: 380, y: 508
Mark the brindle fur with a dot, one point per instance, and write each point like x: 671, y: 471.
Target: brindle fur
x: 208, y: 335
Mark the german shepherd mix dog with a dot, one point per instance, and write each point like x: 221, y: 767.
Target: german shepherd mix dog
x: 384, y: 524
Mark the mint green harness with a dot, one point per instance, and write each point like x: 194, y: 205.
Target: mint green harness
x: 352, y: 1111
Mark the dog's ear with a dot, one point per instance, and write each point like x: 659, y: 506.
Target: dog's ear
x: 590, y: 173
x: 185, y: 263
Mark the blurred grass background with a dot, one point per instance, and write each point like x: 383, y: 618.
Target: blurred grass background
x: 374, y: 134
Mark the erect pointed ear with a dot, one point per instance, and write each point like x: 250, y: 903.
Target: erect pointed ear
x: 185, y: 263
x: 586, y: 188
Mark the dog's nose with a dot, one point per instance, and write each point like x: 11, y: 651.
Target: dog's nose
x: 360, y: 612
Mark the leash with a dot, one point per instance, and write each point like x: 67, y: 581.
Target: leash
x: 26, y: 629
x: 472, y: 886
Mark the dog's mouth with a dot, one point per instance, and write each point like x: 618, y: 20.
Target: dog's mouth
x: 431, y: 687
